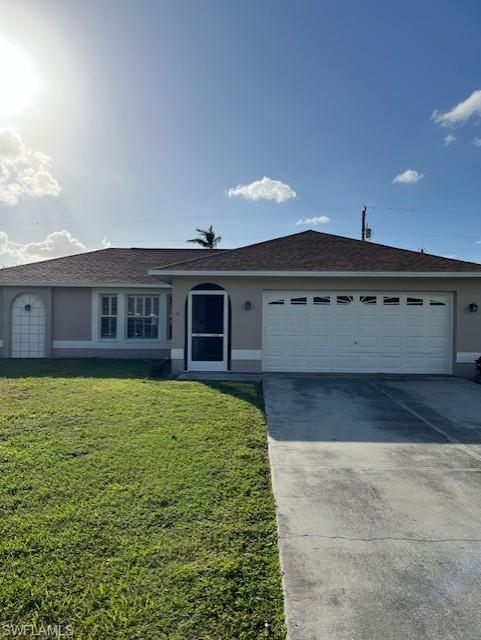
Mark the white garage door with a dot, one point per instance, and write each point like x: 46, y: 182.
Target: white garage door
x: 343, y: 331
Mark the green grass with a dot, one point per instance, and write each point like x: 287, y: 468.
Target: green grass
x: 135, y: 508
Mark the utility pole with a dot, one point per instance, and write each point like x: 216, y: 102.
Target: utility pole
x: 363, y: 224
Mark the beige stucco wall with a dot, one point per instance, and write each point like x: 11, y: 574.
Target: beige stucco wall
x: 72, y: 313
x: 246, y: 330
x: 69, y: 318
x: 1, y: 321
x: 69, y: 313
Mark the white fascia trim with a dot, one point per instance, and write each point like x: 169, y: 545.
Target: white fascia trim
x: 322, y: 274
x: 108, y: 344
x: 110, y: 285
x: 246, y: 354
x: 176, y: 354
x: 466, y: 357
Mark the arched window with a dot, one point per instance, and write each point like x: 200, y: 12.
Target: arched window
x: 207, y: 286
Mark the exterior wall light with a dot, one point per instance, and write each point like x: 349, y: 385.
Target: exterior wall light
x: 247, y: 305
x: 473, y: 307
x: 28, y: 307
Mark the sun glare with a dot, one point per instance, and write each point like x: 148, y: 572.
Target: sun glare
x: 18, y: 80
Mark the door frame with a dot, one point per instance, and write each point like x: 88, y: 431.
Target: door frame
x: 208, y: 365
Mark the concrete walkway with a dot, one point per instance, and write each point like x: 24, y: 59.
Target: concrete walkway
x: 378, y: 488
x: 219, y: 376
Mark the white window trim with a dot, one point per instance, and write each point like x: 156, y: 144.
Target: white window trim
x: 122, y: 342
x: 102, y: 315
x: 159, y: 316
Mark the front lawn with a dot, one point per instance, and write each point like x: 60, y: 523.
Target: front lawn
x: 135, y: 508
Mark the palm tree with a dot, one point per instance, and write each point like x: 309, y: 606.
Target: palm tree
x: 207, y: 238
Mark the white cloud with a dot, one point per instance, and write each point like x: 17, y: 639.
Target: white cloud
x: 264, y: 189
x: 24, y: 173
x: 410, y: 176
x: 461, y: 112
x: 449, y: 139
x: 476, y: 142
x: 315, y: 220
x: 55, y: 245
x: 478, y: 241
x: 106, y: 244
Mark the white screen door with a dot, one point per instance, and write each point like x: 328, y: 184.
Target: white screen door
x: 207, y: 331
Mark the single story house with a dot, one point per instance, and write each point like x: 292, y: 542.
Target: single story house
x: 305, y: 302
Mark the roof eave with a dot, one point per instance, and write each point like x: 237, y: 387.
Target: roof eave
x: 319, y: 274
x: 96, y: 285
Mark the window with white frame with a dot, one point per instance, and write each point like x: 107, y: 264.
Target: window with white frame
x: 142, y: 317
x: 108, y: 316
x: 169, y: 316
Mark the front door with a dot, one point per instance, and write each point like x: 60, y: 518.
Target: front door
x: 207, y: 331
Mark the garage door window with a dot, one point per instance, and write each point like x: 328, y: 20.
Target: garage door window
x: 279, y: 301
x: 322, y: 300
x: 368, y: 299
x: 437, y: 303
x: 298, y: 300
x: 344, y: 299
x: 388, y: 300
x: 415, y: 301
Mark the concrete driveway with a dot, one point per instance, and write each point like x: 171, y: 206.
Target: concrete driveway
x: 378, y: 488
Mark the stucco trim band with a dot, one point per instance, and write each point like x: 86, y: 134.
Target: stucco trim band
x: 246, y: 354
x: 466, y: 357
x: 101, y: 344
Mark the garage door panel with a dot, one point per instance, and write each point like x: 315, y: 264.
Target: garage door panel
x: 274, y: 342
x: 365, y: 332
x: 368, y: 342
x: 322, y: 363
x: 322, y: 340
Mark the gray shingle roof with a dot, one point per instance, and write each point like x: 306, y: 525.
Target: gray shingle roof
x: 106, y: 266
x: 315, y: 251
x: 306, y: 251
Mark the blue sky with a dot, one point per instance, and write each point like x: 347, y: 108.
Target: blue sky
x: 151, y: 111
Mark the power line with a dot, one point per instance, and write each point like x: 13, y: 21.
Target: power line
x: 446, y: 212
x: 202, y: 217
x: 310, y: 213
